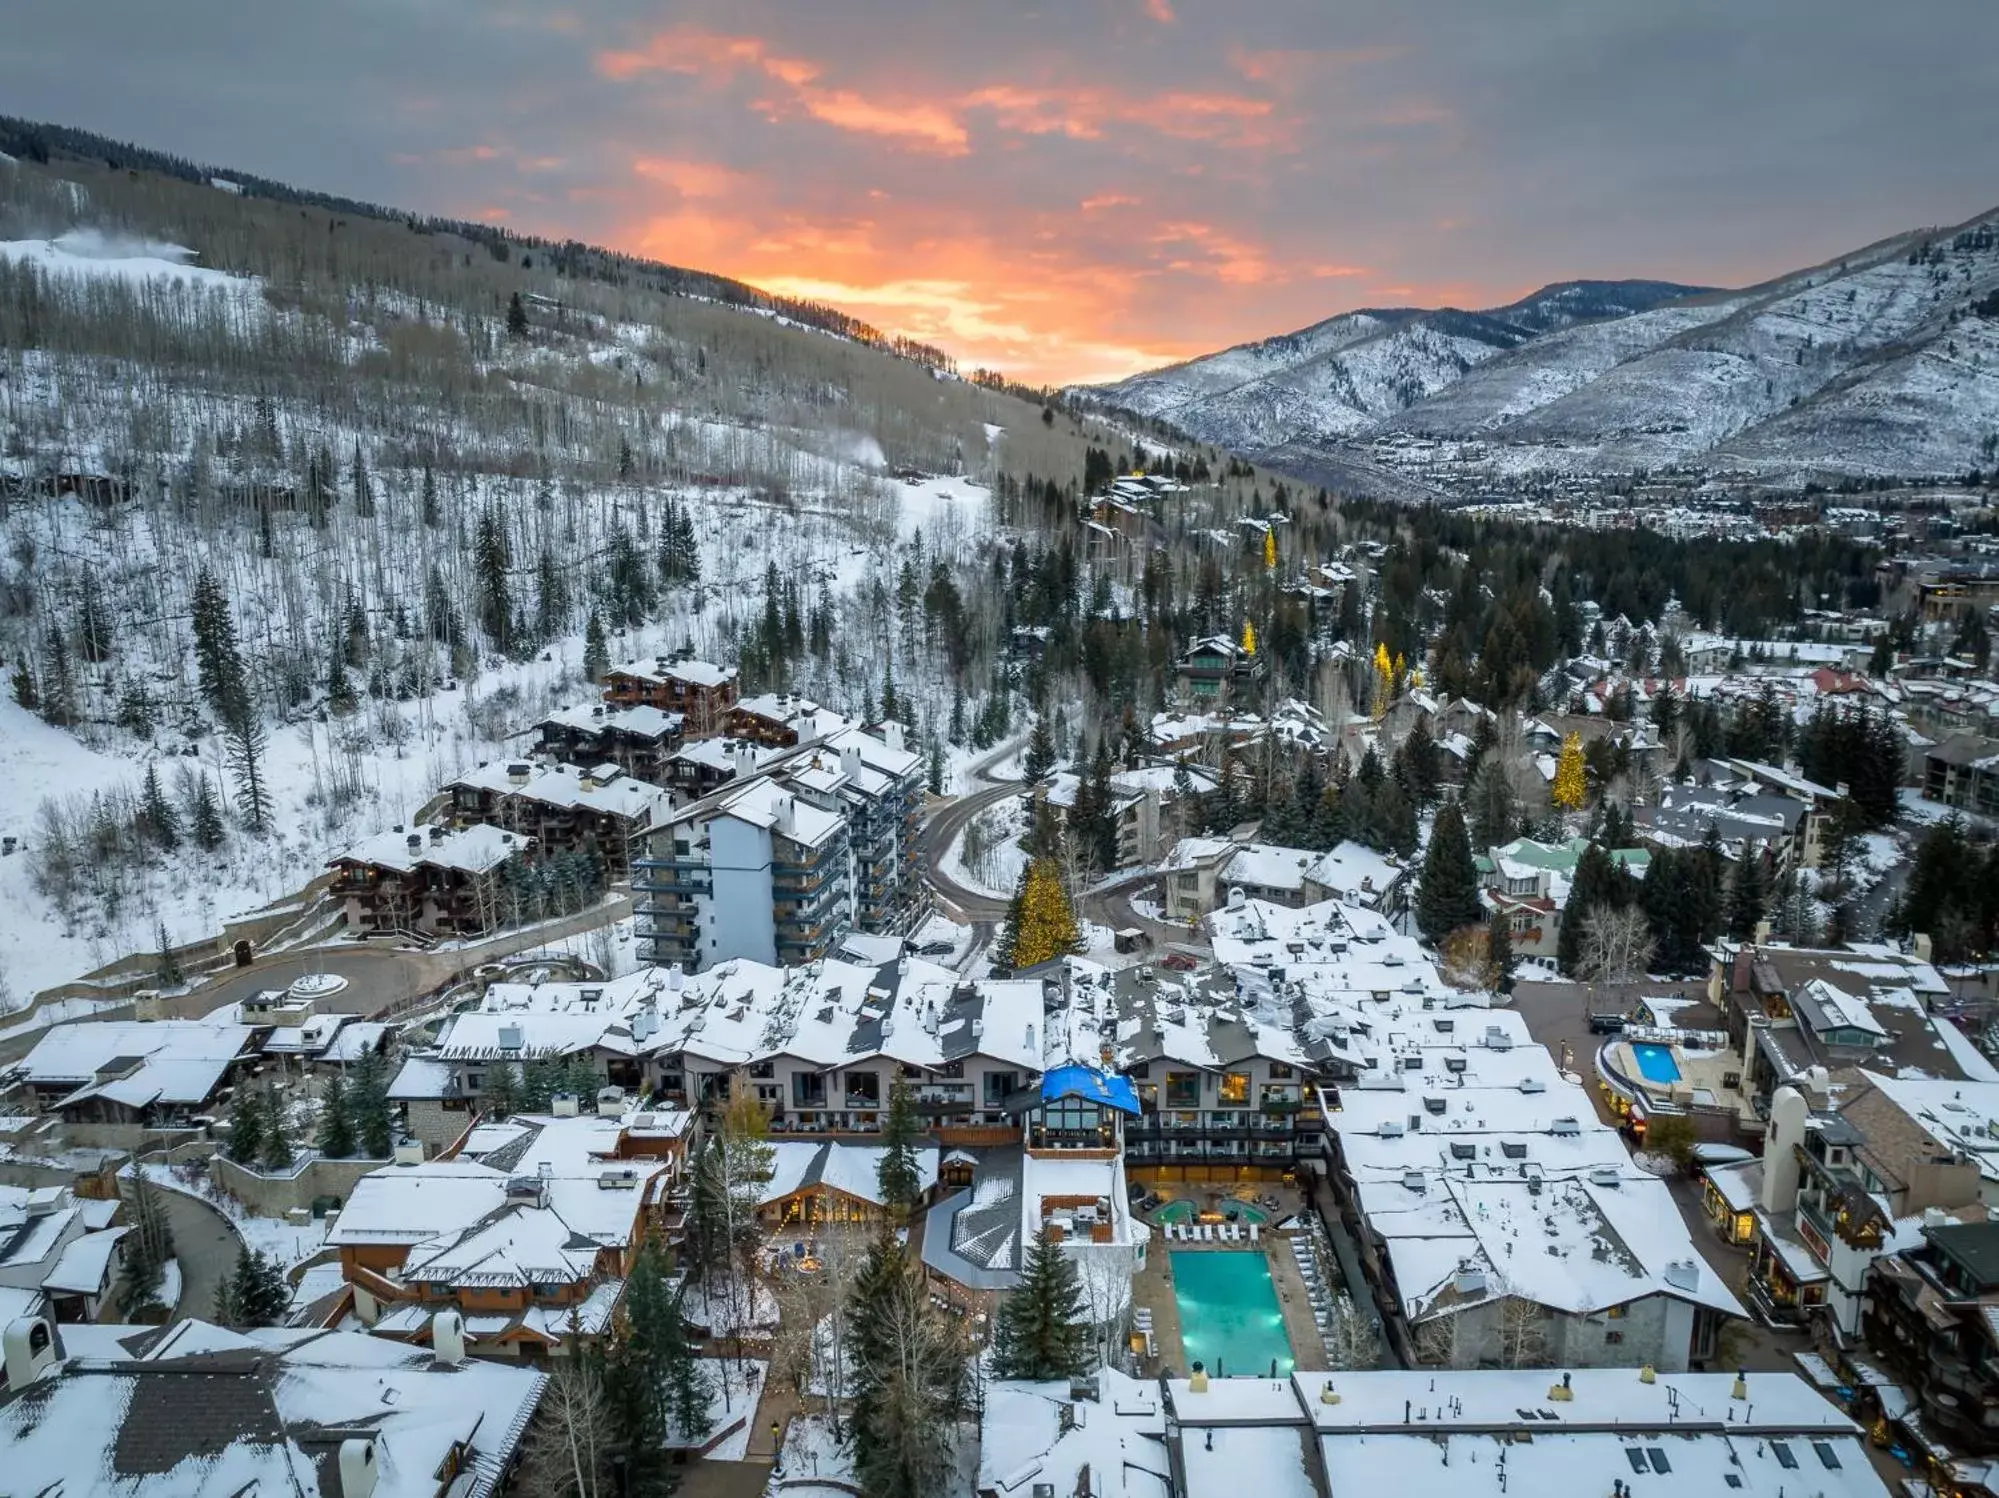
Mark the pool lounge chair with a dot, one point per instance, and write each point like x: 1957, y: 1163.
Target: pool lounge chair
x: 1207, y: 1232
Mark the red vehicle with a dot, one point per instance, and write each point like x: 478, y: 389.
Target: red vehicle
x: 1180, y: 962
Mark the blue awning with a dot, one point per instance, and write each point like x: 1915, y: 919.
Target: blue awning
x: 1104, y: 1088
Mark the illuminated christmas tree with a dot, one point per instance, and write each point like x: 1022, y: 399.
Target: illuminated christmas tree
x: 1571, y: 790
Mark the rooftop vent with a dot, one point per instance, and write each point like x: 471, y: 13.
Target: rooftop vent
x: 1565, y: 1127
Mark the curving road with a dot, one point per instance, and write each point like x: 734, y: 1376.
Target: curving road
x: 947, y: 824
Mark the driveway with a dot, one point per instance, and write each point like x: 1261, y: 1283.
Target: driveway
x: 206, y: 1246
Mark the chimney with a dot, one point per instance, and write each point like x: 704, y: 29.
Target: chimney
x: 518, y: 772
x: 1197, y: 1379
x: 1923, y: 946
x: 1788, y: 1113
x: 408, y: 1152
x: 31, y: 1348
x: 447, y: 1338
x: 357, y: 1468
x: 564, y: 1105
x: 892, y: 735
x: 415, y: 841
x: 436, y: 836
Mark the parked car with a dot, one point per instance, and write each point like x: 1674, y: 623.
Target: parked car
x: 936, y: 949
x: 1180, y: 962
x: 1606, y: 1023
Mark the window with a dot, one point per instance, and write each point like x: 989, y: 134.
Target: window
x: 1235, y: 1089
x: 808, y: 1089
x: 1142, y: 1070
x: 1280, y: 1071
x: 1000, y: 1085
x: 1071, y: 1115
x: 1183, y: 1089
x: 764, y: 1069
x: 1786, y: 1458
x: 864, y: 1089
x: 1828, y: 1458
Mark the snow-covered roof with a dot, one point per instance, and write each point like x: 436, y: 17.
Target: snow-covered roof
x: 465, y: 850
x: 227, y: 1413
x: 1120, y: 1439
x: 637, y: 721
x: 849, y: 1168
x: 135, y: 1063
x: 833, y: 1013
x: 693, y: 672
x: 603, y: 790
x: 86, y: 1264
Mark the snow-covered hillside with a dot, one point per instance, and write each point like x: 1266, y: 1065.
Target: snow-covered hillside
x: 414, y: 491
x: 1884, y: 363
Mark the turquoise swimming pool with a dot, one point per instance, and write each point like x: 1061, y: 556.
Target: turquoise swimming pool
x: 1230, y: 1321
x: 1656, y: 1064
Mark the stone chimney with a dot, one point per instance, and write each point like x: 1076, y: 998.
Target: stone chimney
x: 1788, y: 1112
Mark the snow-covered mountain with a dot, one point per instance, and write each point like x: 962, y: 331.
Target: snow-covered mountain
x: 1347, y: 375
x: 1882, y: 363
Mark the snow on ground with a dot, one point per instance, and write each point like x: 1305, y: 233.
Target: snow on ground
x: 945, y: 509
x: 732, y: 1398
x: 810, y: 1451
x: 88, y: 254
x: 720, y: 1318
x: 170, y: 1283
x: 987, y: 857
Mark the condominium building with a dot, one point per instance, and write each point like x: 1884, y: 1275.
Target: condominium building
x: 787, y: 858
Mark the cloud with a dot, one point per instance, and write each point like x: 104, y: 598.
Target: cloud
x: 691, y: 179
x: 1077, y: 193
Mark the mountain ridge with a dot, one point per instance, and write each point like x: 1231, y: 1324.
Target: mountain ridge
x: 1879, y: 362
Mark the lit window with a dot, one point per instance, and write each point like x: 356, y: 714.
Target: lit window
x: 1235, y: 1089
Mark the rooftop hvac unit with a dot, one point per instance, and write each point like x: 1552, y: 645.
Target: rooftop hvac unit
x: 618, y: 1180
x: 1605, y: 1175
x: 1564, y: 1127
x: 510, y: 1037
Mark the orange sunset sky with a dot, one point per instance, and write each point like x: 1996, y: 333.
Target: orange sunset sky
x: 1079, y: 191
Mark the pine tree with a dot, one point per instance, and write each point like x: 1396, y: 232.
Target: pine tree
x: 1417, y: 764
x: 1595, y: 882
x: 368, y: 1096
x: 1040, y: 760
x: 255, y: 1293
x: 26, y: 692
x: 277, y: 1151
x: 157, y: 821
x: 58, y: 684
x: 898, y: 1175
x: 339, y: 688
x: 492, y: 557
x: 551, y: 597
x: 206, y: 822
x: 1747, y: 898
x: 246, y: 1127
x: 1499, y: 950
x: 147, y: 1248
x: 336, y: 1124
x: 244, y: 750
x: 168, y: 970
x: 517, y: 318
x: 218, y: 662
x: 933, y: 778
x: 1571, y: 787
x: 1448, y: 897
x: 909, y: 1363
x: 1042, y: 1332
x: 429, y: 511
x: 1045, y: 926
x: 596, y: 649
x: 364, y: 491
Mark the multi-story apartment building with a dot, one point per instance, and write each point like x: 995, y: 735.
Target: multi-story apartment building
x: 564, y: 809
x: 778, y: 866
x: 700, y: 692
x: 1933, y: 1318
x: 752, y: 871
x: 434, y: 881
x: 639, y: 740
x: 1839, y: 1186
x: 1963, y: 771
